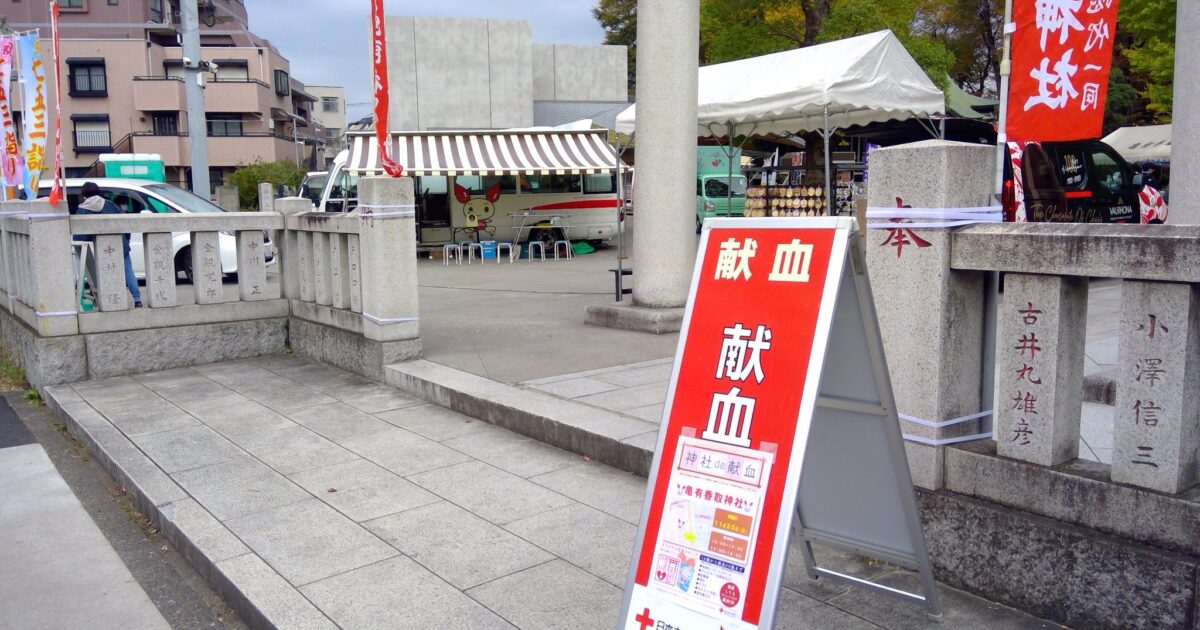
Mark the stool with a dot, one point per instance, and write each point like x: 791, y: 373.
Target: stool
x: 541, y: 247
x: 566, y: 247
x: 500, y: 246
x: 471, y: 248
x: 448, y: 250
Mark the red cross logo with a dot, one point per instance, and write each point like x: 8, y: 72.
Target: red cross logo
x: 644, y: 619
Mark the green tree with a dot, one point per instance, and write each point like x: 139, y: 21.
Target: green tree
x: 618, y: 18
x: 248, y: 177
x: 1145, y: 47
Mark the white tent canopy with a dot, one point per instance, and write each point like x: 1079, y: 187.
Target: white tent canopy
x: 861, y: 80
x: 1142, y: 144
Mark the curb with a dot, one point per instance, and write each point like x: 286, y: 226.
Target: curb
x: 605, y: 436
x: 262, y: 598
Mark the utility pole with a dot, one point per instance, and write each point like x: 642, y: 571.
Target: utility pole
x: 194, y: 68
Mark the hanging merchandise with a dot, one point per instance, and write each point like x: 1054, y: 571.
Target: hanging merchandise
x: 379, y: 63
x: 11, y: 161
x: 33, y: 85
x: 56, y: 193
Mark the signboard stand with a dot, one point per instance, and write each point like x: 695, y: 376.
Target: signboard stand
x: 779, y: 422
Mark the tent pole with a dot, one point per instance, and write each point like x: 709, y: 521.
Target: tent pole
x: 729, y: 164
x: 827, y: 134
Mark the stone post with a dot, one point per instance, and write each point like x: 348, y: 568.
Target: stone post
x: 206, y: 268
x: 388, y: 253
x: 930, y: 316
x: 266, y: 197
x: 110, y: 267
x: 55, y: 303
x: 287, y: 254
x: 320, y: 256
x: 1040, y: 332
x: 227, y: 198
x: 159, y: 257
x: 667, y: 65
x: 1157, y: 424
x: 1185, y: 118
x: 252, y: 267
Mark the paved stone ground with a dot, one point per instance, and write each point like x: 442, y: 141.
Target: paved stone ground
x: 48, y: 539
x: 326, y: 499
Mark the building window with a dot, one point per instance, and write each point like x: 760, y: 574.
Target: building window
x: 216, y: 177
x: 173, y: 68
x: 87, y: 77
x: 91, y: 133
x: 282, y: 87
x: 232, y: 70
x: 329, y: 104
x: 165, y: 123
x: 112, y: 3
x: 224, y: 125
x: 156, y: 11
x: 72, y: 4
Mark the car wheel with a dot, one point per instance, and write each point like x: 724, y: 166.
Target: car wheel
x: 699, y: 225
x: 183, y: 263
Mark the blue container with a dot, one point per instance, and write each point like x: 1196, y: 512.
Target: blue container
x: 489, y: 250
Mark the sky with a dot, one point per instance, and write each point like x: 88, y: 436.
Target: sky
x: 327, y: 42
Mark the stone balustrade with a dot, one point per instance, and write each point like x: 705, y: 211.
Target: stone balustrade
x: 1040, y: 342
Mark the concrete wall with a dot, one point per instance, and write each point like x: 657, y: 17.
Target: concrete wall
x: 565, y: 72
x: 457, y: 73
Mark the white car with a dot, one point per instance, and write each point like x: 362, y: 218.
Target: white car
x: 144, y: 196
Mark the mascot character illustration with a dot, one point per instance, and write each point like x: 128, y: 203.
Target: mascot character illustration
x: 479, y: 212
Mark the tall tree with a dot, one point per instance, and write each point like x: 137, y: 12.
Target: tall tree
x: 618, y: 18
x: 1145, y: 47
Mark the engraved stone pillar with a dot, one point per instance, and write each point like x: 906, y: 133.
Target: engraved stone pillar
x: 930, y: 316
x: 266, y: 197
x: 354, y: 272
x: 304, y: 256
x: 110, y: 267
x: 252, y: 267
x: 55, y: 302
x: 388, y: 252
x: 206, y: 267
x: 320, y: 265
x: 227, y: 198
x: 288, y: 254
x: 1040, y: 331
x: 1157, y: 425
x: 339, y: 285
x: 160, y: 269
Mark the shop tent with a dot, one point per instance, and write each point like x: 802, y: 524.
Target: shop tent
x: 1142, y: 144
x: 856, y: 81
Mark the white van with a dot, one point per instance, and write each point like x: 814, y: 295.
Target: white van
x: 143, y: 196
x: 513, y: 185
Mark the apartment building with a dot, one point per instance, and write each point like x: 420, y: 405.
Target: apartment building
x: 330, y: 112
x: 124, y: 89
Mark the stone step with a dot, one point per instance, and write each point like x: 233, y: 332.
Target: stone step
x: 605, y: 436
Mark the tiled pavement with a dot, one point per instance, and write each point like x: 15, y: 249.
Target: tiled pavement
x: 325, y: 499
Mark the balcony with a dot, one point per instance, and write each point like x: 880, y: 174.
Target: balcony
x: 172, y: 148
x: 238, y: 96
x: 247, y: 148
x: 158, y: 94
x: 92, y: 141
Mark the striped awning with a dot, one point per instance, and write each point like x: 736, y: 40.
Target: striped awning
x: 489, y: 153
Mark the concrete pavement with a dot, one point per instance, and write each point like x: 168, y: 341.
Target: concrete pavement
x: 57, y: 570
x: 313, y: 499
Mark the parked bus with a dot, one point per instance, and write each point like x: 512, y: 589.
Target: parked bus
x: 508, y: 185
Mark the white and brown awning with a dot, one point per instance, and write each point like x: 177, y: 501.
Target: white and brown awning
x: 489, y: 153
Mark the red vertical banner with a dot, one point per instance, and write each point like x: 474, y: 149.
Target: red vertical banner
x: 379, y: 65
x: 56, y: 193
x: 717, y: 499
x: 1062, y: 52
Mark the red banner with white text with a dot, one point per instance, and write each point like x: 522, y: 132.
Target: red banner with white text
x: 1061, y: 55
x: 379, y: 65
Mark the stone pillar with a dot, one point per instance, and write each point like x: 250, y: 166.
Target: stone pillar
x: 287, y: 252
x: 110, y: 267
x: 252, y: 268
x: 160, y: 269
x: 55, y: 302
x: 206, y: 268
x: 667, y: 64
x: 388, y: 255
x: 1185, y: 118
x: 320, y: 265
x: 1041, y: 325
x: 354, y: 272
x: 339, y: 285
x: 266, y: 197
x: 227, y: 198
x: 1157, y: 424
x: 930, y: 316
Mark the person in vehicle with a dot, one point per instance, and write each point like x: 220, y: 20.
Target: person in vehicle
x: 93, y: 203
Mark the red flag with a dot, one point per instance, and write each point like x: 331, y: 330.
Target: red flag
x: 56, y: 193
x: 379, y: 58
x: 1062, y: 52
